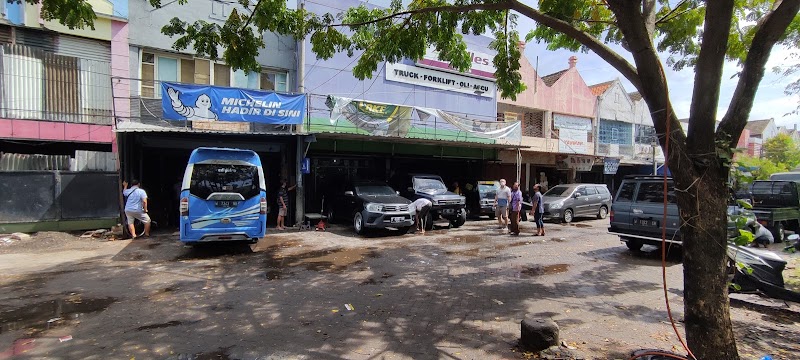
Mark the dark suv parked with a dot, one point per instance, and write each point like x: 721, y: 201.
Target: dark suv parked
x: 638, y: 211
x: 446, y: 204
x: 370, y: 205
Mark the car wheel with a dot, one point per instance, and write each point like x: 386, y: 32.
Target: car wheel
x: 567, y: 217
x: 404, y: 230
x: 634, y: 245
x: 603, y: 212
x: 358, y: 224
x: 780, y: 233
x: 460, y: 220
x: 491, y: 217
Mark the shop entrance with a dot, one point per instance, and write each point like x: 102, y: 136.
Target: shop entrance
x: 159, y: 164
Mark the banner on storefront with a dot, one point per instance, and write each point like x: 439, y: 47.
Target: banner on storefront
x: 395, y: 120
x: 610, y: 166
x: 374, y: 118
x: 212, y: 103
x: 480, y: 128
x: 440, y: 80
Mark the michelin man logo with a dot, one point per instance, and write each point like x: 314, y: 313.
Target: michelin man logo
x: 201, y: 111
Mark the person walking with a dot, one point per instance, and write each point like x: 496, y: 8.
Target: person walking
x: 283, y: 204
x: 501, y: 199
x: 423, y: 207
x: 136, y: 208
x: 516, y: 208
x: 538, y: 209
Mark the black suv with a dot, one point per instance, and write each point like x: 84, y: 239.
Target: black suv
x: 370, y: 205
x: 446, y: 204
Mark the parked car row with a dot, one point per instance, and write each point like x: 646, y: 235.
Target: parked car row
x: 376, y: 205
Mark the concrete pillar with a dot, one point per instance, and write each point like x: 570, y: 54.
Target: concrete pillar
x: 300, y: 209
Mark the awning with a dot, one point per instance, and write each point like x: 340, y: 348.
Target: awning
x: 416, y: 141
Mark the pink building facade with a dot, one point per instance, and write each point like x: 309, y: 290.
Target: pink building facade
x: 558, y: 121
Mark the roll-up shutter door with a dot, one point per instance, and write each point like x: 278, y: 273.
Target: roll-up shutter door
x: 83, y: 48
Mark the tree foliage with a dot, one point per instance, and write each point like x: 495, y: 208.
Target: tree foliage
x: 783, y: 150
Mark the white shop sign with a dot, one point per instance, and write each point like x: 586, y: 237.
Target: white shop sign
x: 481, y: 63
x: 572, y: 122
x: 440, y: 80
x: 571, y: 141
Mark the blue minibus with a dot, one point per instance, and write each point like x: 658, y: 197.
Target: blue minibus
x: 223, y: 197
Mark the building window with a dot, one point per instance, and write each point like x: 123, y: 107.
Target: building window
x: 220, y: 9
x: 157, y: 68
x: 615, y: 132
x: 533, y: 124
x: 266, y: 80
x: 645, y: 134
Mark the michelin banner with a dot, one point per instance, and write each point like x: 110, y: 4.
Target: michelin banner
x: 212, y: 103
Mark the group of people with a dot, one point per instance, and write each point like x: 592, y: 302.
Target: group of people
x: 509, y: 208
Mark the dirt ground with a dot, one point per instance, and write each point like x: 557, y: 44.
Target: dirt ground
x: 451, y: 294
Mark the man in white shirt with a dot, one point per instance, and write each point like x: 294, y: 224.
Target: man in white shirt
x: 423, y: 207
x: 136, y: 207
x: 502, y: 199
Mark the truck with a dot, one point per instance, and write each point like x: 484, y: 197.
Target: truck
x: 446, y: 204
x: 776, y: 204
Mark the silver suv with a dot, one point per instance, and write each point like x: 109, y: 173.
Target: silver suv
x: 567, y: 201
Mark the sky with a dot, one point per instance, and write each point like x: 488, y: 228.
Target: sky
x: 770, y: 102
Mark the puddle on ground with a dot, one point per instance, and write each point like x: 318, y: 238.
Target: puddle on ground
x: 38, y: 317
x: 583, y: 225
x: 506, y: 246
x: 462, y: 239
x: 30, y: 283
x: 470, y: 252
x: 322, y: 260
x: 160, y: 326
x: 539, y: 270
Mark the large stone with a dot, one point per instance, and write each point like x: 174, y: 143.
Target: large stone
x: 538, y: 334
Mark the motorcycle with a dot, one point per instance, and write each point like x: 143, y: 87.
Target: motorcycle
x: 760, y: 270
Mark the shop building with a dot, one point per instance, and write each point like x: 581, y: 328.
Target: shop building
x: 410, y: 117
x: 56, y: 119
x: 557, y: 112
x: 155, y: 139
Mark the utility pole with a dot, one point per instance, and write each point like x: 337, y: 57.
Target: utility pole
x: 300, y: 210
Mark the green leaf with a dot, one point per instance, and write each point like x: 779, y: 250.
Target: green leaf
x: 745, y: 237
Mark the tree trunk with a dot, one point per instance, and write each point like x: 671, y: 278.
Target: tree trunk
x: 703, y: 206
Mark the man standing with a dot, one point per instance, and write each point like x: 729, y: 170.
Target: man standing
x: 283, y: 203
x: 538, y: 210
x: 502, y: 198
x: 423, y: 206
x: 136, y: 207
x: 516, y: 208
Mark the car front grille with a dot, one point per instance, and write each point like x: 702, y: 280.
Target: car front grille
x: 396, y: 207
x: 449, y: 202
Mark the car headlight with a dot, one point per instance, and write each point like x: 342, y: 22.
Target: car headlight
x: 556, y: 206
x: 374, y: 207
x: 462, y: 201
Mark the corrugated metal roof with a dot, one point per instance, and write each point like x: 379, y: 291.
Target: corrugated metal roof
x: 635, y: 96
x: 133, y: 126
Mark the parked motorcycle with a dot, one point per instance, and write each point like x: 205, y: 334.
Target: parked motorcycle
x: 759, y: 270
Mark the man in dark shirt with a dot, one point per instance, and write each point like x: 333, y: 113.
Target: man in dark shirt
x: 283, y: 203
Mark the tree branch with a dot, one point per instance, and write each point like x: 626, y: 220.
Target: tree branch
x: 708, y: 76
x: 614, y: 59
x: 435, y: 9
x: 662, y: 19
x: 769, y: 32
